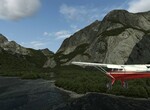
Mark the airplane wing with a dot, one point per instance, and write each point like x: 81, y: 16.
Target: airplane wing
x: 140, y: 67
x: 98, y: 65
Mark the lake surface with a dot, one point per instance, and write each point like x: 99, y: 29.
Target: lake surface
x: 18, y: 94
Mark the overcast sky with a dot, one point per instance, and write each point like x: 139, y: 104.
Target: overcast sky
x: 46, y: 23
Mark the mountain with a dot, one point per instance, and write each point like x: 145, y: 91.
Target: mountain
x: 47, y: 52
x: 12, y: 46
x: 16, y: 58
x: 120, y: 38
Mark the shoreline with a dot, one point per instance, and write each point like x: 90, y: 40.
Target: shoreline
x: 72, y: 94
x: 75, y: 95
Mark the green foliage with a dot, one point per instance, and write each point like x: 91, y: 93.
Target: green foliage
x: 13, y: 63
x: 148, y: 90
x: 37, y: 58
x: 68, y: 77
x: 86, y: 80
x: 117, y: 89
x: 25, y: 66
x: 80, y: 80
x: 30, y: 75
x: 136, y: 91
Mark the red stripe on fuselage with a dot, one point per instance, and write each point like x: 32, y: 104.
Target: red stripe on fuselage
x: 121, y: 75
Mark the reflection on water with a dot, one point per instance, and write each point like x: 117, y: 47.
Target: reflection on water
x: 17, y: 94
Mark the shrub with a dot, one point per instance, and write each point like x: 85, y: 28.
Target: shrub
x: 30, y: 75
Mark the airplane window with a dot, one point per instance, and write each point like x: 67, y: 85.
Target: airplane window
x: 120, y: 69
x: 109, y: 69
x: 115, y: 69
x: 148, y: 66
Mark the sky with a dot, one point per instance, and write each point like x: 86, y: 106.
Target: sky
x: 42, y: 24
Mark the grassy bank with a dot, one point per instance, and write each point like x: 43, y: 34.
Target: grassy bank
x: 33, y: 74
x: 83, y: 80
x: 89, y: 80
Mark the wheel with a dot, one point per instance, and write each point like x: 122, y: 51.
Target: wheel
x: 125, y: 85
x: 109, y: 86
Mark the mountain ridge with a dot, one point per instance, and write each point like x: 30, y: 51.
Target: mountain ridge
x: 117, y: 39
x: 16, y: 58
x: 120, y: 38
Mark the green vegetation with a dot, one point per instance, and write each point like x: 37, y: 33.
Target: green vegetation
x: 37, y: 58
x: 23, y: 66
x: 81, y: 80
x: 74, y: 78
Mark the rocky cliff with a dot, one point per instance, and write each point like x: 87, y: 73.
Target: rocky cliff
x: 14, y: 57
x: 120, y: 38
x: 12, y: 46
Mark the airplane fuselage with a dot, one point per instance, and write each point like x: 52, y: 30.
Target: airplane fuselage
x: 121, y: 75
x: 120, y: 72
x: 130, y: 72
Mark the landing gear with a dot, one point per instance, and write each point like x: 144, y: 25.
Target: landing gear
x: 110, y: 83
x: 124, y: 84
x: 109, y: 86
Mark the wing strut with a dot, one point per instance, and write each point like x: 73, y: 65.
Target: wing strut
x: 101, y: 69
x: 104, y: 71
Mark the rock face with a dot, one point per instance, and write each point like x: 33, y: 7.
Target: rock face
x: 86, y: 35
x: 14, y: 57
x: 12, y: 46
x: 50, y: 63
x: 3, y: 39
x: 47, y: 52
x: 120, y: 38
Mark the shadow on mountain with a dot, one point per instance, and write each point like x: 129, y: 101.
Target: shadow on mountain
x: 141, y: 52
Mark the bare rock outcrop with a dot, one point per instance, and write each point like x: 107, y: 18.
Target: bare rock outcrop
x: 120, y: 38
x: 12, y: 46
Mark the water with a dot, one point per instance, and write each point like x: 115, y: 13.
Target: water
x: 18, y: 94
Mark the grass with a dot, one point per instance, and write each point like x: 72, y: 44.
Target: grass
x: 71, y: 77
x: 24, y: 66
x: 86, y: 80
x: 83, y: 80
x: 28, y: 74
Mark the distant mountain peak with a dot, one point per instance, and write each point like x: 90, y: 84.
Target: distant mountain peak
x: 47, y: 52
x: 3, y: 39
x: 120, y: 38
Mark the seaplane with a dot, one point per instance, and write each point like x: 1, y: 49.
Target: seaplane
x: 120, y: 72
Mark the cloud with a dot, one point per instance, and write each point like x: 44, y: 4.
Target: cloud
x: 80, y: 13
x: 47, y: 34
x: 62, y: 34
x: 139, y: 6
x: 37, y: 44
x: 34, y: 44
x: 18, y: 9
